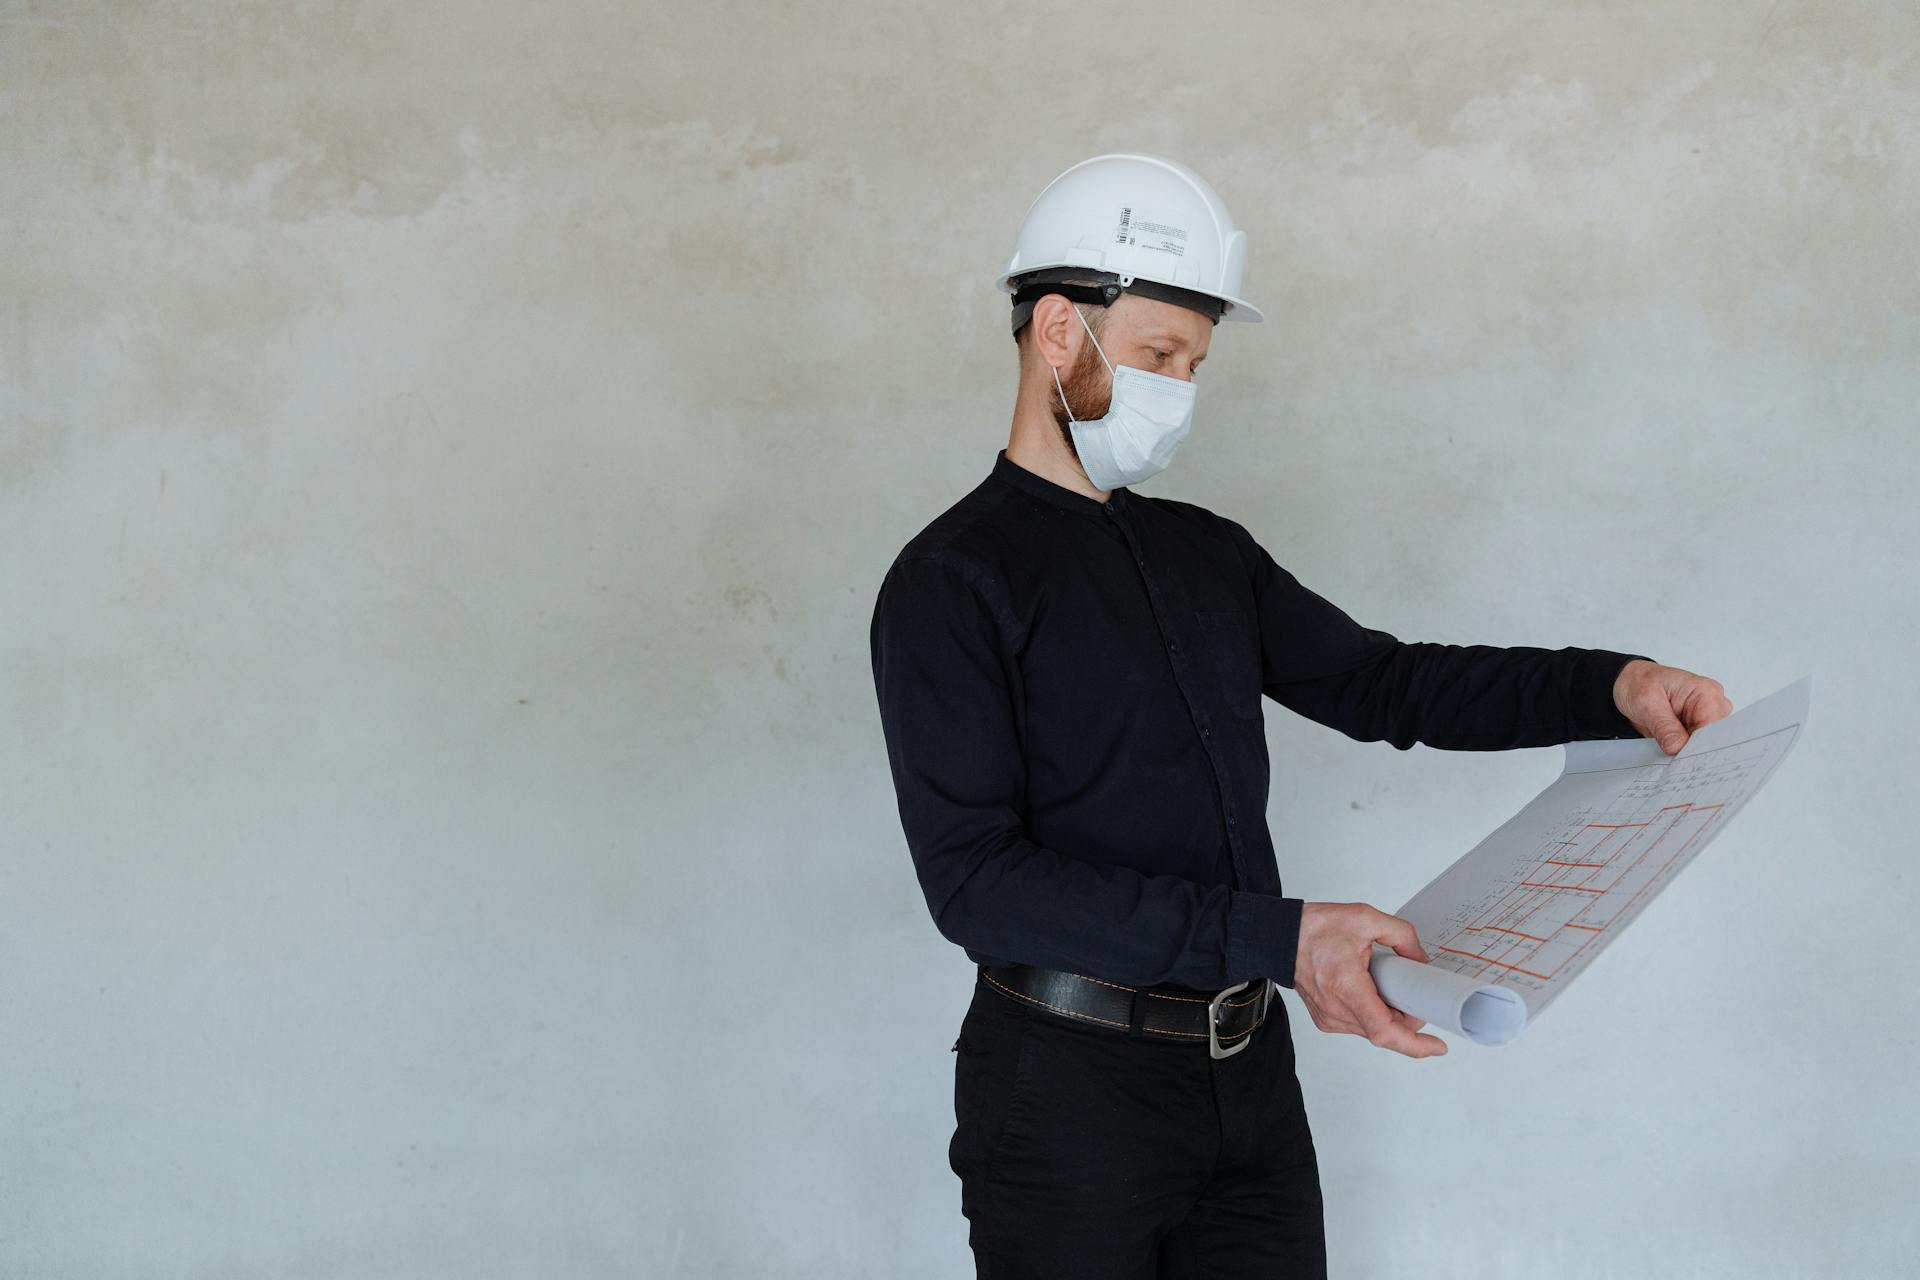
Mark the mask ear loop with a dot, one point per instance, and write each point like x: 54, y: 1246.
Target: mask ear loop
x: 1096, y: 342
x: 1063, y: 397
x: 1096, y: 350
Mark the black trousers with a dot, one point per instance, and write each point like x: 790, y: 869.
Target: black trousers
x: 1085, y: 1151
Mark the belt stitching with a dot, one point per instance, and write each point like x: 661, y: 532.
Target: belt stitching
x: 1094, y: 1017
x: 1158, y: 995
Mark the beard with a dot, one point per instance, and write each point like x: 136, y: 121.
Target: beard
x: 1088, y: 389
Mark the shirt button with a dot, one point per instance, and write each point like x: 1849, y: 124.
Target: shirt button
x: 1173, y: 646
x: 1229, y: 824
x: 1108, y: 504
x: 1143, y: 564
x: 1205, y: 732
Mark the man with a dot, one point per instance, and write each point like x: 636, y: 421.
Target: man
x: 1070, y: 678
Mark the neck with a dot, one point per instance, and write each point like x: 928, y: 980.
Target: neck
x: 1035, y: 442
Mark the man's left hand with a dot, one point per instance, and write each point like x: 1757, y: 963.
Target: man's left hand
x: 1668, y: 703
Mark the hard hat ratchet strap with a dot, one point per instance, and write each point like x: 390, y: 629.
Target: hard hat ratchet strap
x: 1104, y: 295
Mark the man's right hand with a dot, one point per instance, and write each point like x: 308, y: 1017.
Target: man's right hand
x: 1330, y: 974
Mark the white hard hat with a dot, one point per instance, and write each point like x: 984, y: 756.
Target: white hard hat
x: 1130, y: 222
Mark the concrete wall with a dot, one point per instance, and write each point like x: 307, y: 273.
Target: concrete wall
x: 447, y: 456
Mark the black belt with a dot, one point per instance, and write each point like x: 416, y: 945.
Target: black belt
x: 1224, y: 1023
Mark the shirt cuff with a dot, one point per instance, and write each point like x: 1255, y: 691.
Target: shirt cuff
x: 1594, y: 713
x: 1264, y: 936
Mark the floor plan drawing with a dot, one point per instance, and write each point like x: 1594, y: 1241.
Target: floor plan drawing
x: 1525, y: 911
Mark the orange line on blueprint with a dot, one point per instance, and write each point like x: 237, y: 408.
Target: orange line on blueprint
x: 1677, y: 854
x: 1505, y: 908
x: 1536, y: 937
x: 1510, y: 949
x: 1513, y: 903
x: 1503, y: 964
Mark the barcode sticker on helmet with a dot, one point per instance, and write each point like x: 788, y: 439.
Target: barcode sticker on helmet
x: 1140, y: 227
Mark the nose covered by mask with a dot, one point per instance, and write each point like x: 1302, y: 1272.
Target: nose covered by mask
x: 1148, y: 417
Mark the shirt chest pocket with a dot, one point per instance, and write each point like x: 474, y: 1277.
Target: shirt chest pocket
x: 1232, y: 649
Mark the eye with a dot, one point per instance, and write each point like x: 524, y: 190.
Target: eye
x: 1161, y: 355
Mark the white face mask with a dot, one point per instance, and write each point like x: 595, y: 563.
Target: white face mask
x: 1150, y: 414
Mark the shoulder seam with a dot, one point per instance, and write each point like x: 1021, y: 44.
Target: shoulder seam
x: 971, y: 574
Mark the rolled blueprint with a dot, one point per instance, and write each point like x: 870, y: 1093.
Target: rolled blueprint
x: 1522, y: 914
x: 1480, y: 1011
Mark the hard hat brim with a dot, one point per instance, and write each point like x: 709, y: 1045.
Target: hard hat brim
x: 1235, y: 309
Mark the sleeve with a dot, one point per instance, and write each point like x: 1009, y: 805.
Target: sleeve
x: 946, y: 681
x: 1372, y: 687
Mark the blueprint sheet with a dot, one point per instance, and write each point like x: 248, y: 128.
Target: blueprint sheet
x: 1524, y: 912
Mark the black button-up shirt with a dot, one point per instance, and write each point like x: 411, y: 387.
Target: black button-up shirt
x: 1071, y: 696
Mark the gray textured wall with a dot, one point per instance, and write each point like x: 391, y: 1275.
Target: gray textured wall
x: 447, y: 456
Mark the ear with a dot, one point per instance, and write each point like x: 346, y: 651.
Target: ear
x: 1056, y: 331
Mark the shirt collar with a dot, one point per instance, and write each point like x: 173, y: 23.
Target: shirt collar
x: 1010, y: 472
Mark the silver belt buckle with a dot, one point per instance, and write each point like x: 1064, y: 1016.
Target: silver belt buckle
x: 1213, y: 1023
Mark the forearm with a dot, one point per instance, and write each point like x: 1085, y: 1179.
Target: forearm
x: 1009, y: 896
x: 1469, y: 697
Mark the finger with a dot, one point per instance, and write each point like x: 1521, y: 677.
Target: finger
x: 1399, y: 934
x: 1381, y: 1028
x: 1663, y: 728
x: 1392, y: 1035
x: 1407, y: 1020
x: 1404, y: 1018
x: 1705, y: 702
x: 1335, y: 1024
